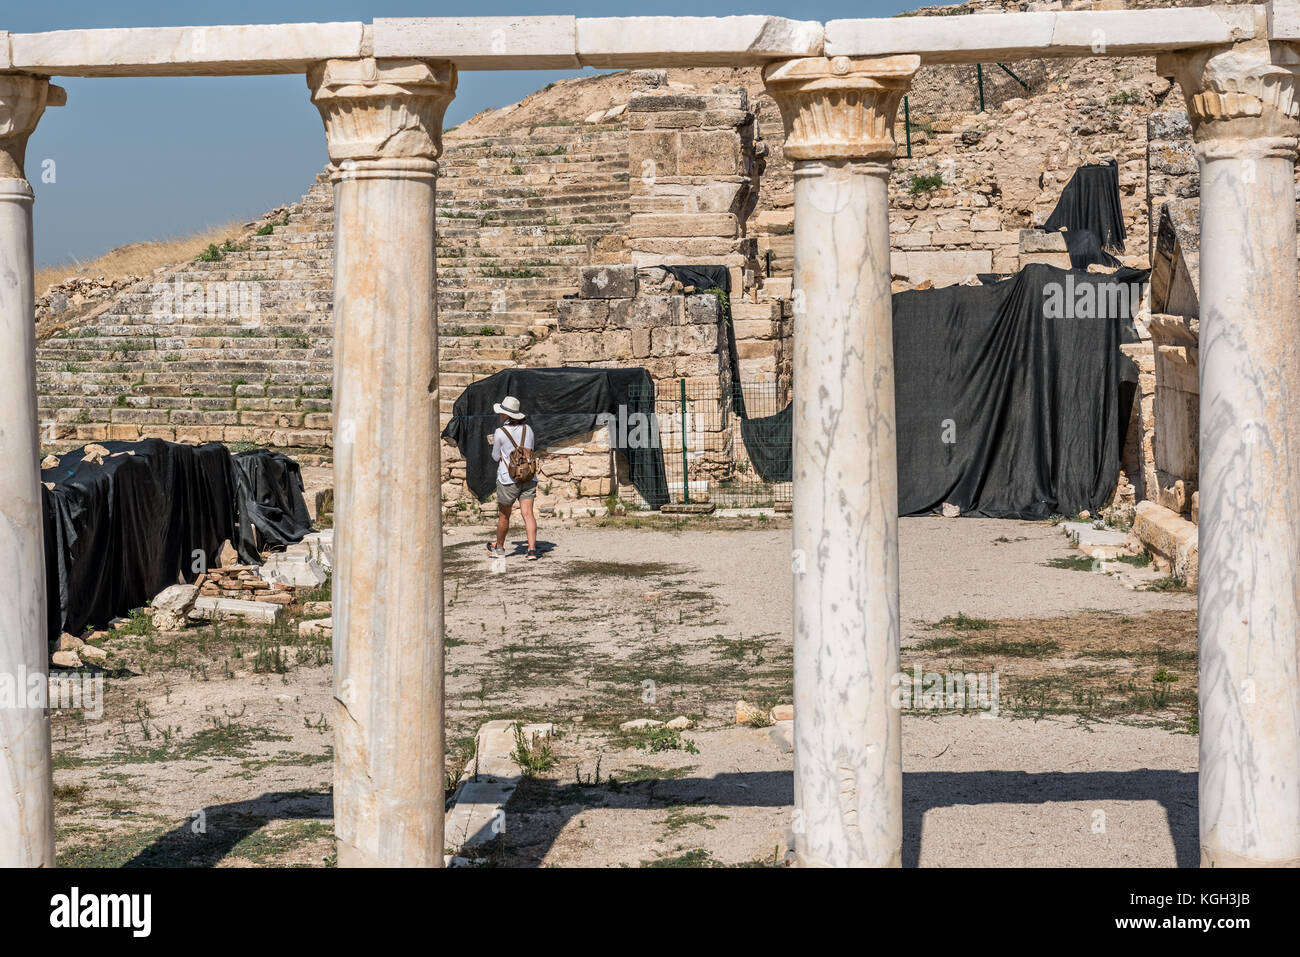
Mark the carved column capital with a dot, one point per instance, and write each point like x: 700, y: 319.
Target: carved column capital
x: 840, y: 108
x: 1241, y: 99
x: 23, y: 98
x: 382, y: 114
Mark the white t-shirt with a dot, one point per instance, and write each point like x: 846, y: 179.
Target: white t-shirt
x: 502, y: 447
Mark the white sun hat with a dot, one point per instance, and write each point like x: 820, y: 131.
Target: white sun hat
x: 509, y: 406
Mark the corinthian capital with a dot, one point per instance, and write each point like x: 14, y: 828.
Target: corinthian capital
x: 23, y: 98
x: 382, y: 109
x: 1244, y: 92
x: 840, y: 107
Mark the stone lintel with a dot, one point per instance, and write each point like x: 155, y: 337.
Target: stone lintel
x: 481, y: 43
x: 631, y: 42
x: 186, y: 51
x: 982, y: 38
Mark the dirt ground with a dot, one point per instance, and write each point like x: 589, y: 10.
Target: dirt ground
x: 215, y: 746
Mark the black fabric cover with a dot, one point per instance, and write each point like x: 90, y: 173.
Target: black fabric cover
x: 767, y: 439
x: 1090, y: 201
x: 1085, y: 250
x: 272, y: 509
x: 117, y: 534
x: 1034, y: 402
x: 1039, y: 405
x: 560, y: 403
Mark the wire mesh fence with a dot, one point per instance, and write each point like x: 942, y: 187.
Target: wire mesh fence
x: 723, y: 443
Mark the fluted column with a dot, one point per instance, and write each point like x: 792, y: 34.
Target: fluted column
x: 383, y: 122
x: 26, y: 804
x: 839, y: 118
x: 1241, y: 101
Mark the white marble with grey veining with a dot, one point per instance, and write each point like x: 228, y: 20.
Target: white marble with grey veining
x: 26, y: 805
x: 848, y: 770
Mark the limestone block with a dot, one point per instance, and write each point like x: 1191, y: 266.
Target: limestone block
x: 317, y: 628
x: 941, y: 267
x: 217, y: 609
x: 710, y: 153
x: 683, y: 340
x: 1170, y: 536
x: 687, y: 224
x: 298, y: 570
x: 623, y: 42
x: 647, y: 311
x: 582, y: 314
x: 5, y: 61
x: 651, y: 154
x: 481, y: 43
x: 608, y: 282
x: 172, y: 605
x: 703, y: 309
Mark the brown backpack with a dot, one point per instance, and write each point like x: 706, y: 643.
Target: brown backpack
x: 522, y: 464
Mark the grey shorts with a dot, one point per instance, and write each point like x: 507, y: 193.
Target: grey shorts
x: 509, y: 494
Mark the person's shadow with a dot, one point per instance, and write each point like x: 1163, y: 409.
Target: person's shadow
x: 521, y: 547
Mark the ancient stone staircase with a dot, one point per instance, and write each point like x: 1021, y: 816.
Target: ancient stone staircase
x: 518, y: 216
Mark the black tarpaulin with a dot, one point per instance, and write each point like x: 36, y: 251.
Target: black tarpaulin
x: 1011, y: 398
x: 767, y: 439
x: 154, y: 513
x: 118, y: 533
x: 1090, y: 201
x: 561, y: 403
x: 272, y: 511
x: 1008, y: 396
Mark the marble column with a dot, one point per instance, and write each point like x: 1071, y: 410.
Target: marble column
x: 1241, y: 102
x: 383, y: 123
x: 839, y: 117
x: 26, y: 802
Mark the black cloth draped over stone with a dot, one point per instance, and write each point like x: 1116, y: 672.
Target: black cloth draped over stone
x: 562, y: 403
x: 272, y: 509
x: 1002, y: 409
x: 1090, y: 203
x: 1005, y: 410
x: 118, y: 533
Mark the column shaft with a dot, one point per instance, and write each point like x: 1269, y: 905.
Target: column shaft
x: 26, y: 803
x: 848, y: 771
x: 26, y: 786
x: 1249, y: 617
x: 383, y: 122
x: 1242, y: 105
x: 839, y: 118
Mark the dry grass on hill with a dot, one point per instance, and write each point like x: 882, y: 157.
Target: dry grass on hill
x: 139, y: 259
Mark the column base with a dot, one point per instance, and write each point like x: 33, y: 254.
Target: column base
x: 1218, y: 857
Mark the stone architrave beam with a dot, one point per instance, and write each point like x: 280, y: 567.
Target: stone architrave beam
x: 983, y: 38
x: 185, y: 51
x: 482, y: 43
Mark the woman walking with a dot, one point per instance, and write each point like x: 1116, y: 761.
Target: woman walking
x: 512, y: 450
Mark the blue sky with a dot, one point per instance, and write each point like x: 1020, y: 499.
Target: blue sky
x: 139, y: 159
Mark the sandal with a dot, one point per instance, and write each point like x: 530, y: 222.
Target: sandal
x: 495, y: 552
x: 532, y: 555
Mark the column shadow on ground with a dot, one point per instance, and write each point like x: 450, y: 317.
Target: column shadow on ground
x: 220, y: 827
x: 1175, y: 791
